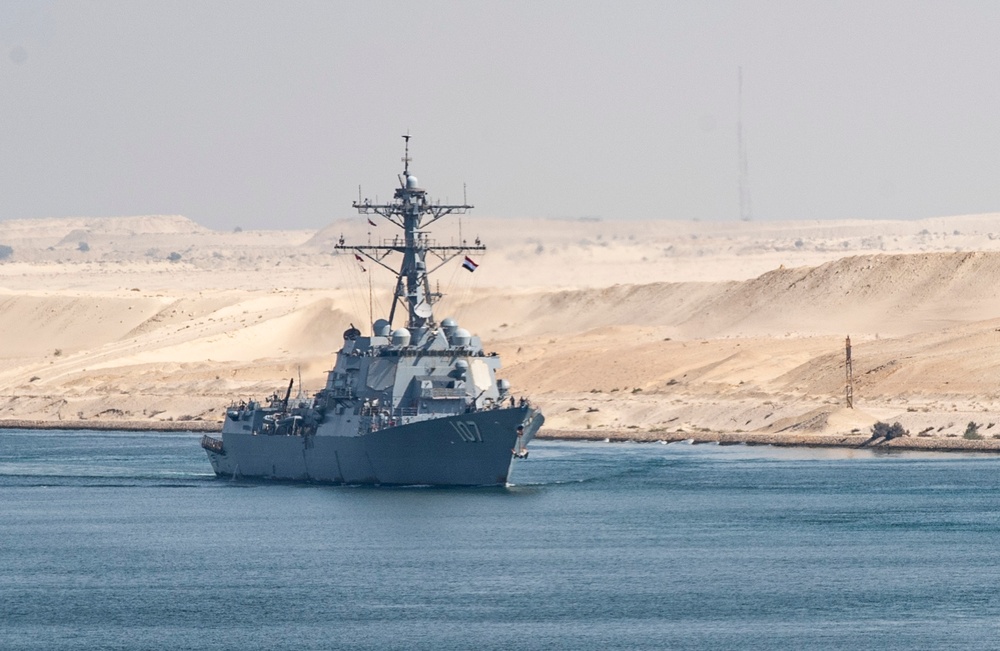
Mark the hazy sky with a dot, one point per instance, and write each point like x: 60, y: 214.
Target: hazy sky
x: 270, y: 114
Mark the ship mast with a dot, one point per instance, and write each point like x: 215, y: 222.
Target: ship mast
x: 412, y: 212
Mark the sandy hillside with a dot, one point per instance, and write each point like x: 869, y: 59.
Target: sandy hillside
x: 636, y: 327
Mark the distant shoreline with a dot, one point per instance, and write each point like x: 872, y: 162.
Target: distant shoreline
x: 115, y: 425
x: 936, y: 444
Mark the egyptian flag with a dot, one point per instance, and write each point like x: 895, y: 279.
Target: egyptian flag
x: 469, y: 264
x: 361, y: 261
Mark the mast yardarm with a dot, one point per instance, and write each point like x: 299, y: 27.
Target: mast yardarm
x: 412, y: 212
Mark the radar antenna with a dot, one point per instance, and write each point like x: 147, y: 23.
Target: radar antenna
x: 406, y: 155
x: 412, y: 211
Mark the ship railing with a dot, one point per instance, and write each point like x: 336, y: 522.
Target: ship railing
x: 399, y: 243
x: 443, y: 393
x: 385, y: 420
x: 340, y: 392
x: 411, y: 351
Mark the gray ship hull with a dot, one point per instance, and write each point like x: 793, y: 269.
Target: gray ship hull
x: 473, y: 449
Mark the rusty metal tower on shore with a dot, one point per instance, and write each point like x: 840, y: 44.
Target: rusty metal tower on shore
x: 849, y: 387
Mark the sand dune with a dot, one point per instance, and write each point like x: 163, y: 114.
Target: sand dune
x: 640, y: 327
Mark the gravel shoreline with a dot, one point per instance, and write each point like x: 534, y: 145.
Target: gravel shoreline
x: 940, y: 444
x: 115, y: 425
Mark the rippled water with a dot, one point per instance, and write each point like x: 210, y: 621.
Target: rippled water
x: 127, y: 541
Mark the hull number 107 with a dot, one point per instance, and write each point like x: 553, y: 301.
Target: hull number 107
x: 468, y: 431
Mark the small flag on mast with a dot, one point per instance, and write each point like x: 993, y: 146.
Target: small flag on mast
x: 469, y: 264
x: 361, y: 262
x: 371, y: 222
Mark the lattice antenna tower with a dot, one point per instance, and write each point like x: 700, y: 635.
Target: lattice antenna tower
x: 849, y: 386
x: 746, y: 212
x: 412, y: 211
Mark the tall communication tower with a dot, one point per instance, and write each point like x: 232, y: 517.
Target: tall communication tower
x: 746, y: 213
x: 849, y: 386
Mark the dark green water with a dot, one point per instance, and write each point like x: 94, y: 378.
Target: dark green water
x: 126, y: 541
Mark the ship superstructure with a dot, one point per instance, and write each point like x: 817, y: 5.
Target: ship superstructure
x: 415, y: 404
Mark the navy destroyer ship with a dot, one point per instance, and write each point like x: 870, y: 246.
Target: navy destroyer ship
x: 419, y: 404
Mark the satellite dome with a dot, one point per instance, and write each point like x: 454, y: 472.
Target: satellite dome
x: 381, y: 328
x: 411, y: 182
x: 503, y: 386
x: 449, y: 325
x: 401, y: 337
x: 460, y: 337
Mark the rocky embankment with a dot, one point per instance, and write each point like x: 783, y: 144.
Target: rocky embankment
x: 784, y: 440
x: 927, y: 443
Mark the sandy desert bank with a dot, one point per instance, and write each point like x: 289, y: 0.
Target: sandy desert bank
x: 647, y: 330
